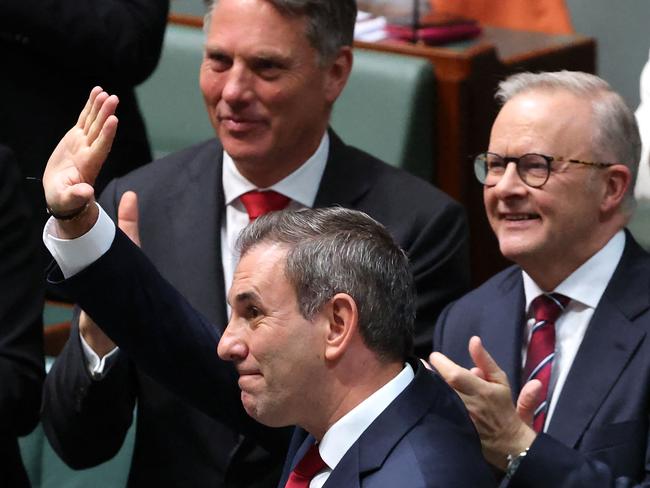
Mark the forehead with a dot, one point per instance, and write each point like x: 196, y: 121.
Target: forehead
x: 554, y: 122
x: 261, y: 271
x: 256, y: 23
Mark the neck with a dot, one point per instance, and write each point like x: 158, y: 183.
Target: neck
x: 266, y: 171
x: 548, y: 273
x: 349, y: 387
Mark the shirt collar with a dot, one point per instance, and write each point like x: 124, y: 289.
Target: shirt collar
x: 587, y: 283
x: 301, y: 185
x: 345, y: 432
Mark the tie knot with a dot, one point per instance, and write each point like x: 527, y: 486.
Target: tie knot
x: 549, y: 307
x: 258, y: 203
x: 310, y: 464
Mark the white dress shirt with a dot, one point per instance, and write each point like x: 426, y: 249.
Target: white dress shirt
x: 301, y: 187
x: 345, y: 432
x: 585, y: 287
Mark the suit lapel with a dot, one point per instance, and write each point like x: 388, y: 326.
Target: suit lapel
x: 504, y: 324
x: 344, y: 180
x: 376, y: 443
x: 194, y: 213
x: 610, y: 340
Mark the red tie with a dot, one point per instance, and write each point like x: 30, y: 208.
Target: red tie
x: 258, y: 203
x: 310, y: 464
x: 541, y: 348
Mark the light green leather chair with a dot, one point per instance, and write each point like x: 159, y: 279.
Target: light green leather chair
x: 170, y: 99
x: 386, y: 109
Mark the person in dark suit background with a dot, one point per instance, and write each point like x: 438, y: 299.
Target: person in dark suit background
x: 558, y: 191
x: 53, y: 52
x: 21, y: 321
x: 269, y: 98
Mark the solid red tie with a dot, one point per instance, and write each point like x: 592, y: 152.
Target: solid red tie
x: 310, y: 464
x: 541, y: 348
x: 258, y: 203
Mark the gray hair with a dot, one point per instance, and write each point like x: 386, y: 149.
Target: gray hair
x: 330, y: 23
x: 615, y: 133
x: 336, y: 250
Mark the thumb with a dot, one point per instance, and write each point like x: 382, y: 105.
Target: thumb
x: 529, y: 399
x: 127, y: 216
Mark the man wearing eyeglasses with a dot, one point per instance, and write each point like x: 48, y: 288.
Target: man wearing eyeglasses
x: 563, y: 332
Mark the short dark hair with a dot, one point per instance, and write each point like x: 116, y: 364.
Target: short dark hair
x: 336, y: 250
x: 330, y: 23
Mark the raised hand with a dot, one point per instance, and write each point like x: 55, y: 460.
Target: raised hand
x: 127, y: 220
x: 75, y: 163
x: 487, y: 396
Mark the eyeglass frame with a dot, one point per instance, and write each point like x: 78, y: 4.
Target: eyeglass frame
x: 515, y: 159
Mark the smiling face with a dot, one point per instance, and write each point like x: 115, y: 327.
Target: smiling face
x: 277, y: 352
x: 552, y: 230
x: 267, y: 96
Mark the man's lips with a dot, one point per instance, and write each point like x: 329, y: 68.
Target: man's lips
x: 240, y: 124
x: 248, y: 377
x: 518, y: 216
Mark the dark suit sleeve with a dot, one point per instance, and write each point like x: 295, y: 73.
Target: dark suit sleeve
x: 86, y: 420
x: 156, y: 327
x: 551, y: 463
x: 21, y: 307
x: 440, y: 263
x: 115, y: 40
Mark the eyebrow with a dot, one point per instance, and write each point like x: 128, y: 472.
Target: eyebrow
x: 247, y: 296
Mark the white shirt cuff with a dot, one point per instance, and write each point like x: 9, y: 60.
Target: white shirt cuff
x: 73, y: 255
x: 97, y: 367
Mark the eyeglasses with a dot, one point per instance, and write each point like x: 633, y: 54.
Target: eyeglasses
x: 533, y: 169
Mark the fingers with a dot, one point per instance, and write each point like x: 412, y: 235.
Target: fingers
x: 459, y: 378
x: 127, y: 216
x: 482, y: 359
x: 81, y: 121
x: 105, y: 111
x: 529, y: 399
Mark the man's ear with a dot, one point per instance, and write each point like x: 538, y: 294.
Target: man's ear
x: 343, y: 318
x: 337, y: 73
x: 618, y: 179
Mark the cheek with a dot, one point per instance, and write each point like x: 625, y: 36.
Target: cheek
x: 211, y: 86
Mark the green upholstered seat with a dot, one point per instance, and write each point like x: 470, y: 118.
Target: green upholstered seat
x: 386, y: 109
x: 170, y: 99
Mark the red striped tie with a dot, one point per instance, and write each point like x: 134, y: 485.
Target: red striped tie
x: 541, y: 348
x: 258, y: 203
x: 310, y: 464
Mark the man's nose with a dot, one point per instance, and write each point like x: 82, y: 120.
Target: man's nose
x: 510, y: 183
x: 232, y: 346
x: 239, y: 85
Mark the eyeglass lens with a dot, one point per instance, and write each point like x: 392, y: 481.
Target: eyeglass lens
x: 532, y: 168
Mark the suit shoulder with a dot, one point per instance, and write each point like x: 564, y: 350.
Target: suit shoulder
x: 494, y: 286
x: 153, y: 180
x: 402, y: 184
x: 192, y: 158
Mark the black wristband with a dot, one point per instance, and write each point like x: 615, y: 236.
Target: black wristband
x: 70, y: 215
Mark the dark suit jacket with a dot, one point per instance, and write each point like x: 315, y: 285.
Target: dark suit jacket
x: 603, y: 408
x: 423, y: 439
x: 181, y: 211
x: 53, y: 52
x: 21, y: 321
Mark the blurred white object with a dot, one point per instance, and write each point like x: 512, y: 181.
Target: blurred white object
x: 642, y: 188
x: 370, y: 28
